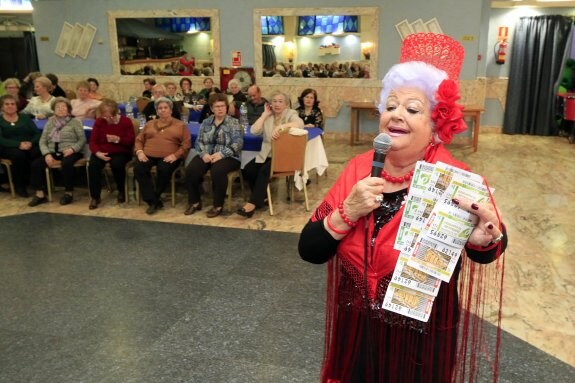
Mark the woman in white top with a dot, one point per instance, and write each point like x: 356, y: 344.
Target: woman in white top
x: 276, y: 119
x: 40, y: 106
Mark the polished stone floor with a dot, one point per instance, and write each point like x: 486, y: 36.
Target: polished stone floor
x: 534, y: 178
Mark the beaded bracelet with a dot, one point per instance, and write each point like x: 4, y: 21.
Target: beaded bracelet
x: 345, y: 218
x: 332, y: 228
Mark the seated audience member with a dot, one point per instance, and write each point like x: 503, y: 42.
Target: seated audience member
x: 206, y: 111
x: 186, y: 93
x: 238, y: 98
x: 256, y: 103
x: 83, y: 106
x: 219, y: 146
x: 168, y: 70
x: 62, y: 141
x: 308, y: 109
x: 12, y: 87
x: 18, y: 142
x: 276, y: 119
x: 27, y: 86
x: 148, y: 70
x: 171, y: 90
x: 55, y: 89
x: 205, y: 92
x: 40, y: 106
x: 148, y: 85
x: 111, y: 141
x: 158, y: 91
x: 94, y: 85
x: 172, y: 94
x: 164, y: 143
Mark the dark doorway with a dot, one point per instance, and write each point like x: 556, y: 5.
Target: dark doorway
x: 13, y: 62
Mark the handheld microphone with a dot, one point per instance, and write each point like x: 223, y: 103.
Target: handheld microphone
x: 381, y: 145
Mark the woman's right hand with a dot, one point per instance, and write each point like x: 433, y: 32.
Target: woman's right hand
x: 362, y: 199
x: 267, y: 110
x: 142, y: 156
x: 49, y: 160
x: 207, y: 158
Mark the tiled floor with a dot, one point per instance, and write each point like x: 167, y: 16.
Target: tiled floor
x: 534, y: 178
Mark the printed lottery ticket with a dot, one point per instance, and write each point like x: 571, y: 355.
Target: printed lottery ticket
x: 413, y: 278
x: 435, y: 258
x: 408, y: 302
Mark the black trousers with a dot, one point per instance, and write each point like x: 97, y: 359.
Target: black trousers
x: 258, y: 176
x: 38, y: 177
x: 117, y: 163
x: 219, y: 173
x: 21, y: 164
x: 164, y: 172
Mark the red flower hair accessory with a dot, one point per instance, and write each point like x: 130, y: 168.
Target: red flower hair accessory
x: 448, y: 114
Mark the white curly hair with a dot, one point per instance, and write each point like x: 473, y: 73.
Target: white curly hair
x: 416, y: 74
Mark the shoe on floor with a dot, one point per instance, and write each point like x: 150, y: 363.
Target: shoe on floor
x: 94, y: 202
x: 153, y: 208
x: 192, y: 208
x: 66, y: 199
x: 37, y: 201
x: 214, y: 212
x: 248, y: 214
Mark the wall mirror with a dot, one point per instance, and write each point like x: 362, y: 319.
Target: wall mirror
x: 319, y: 44
x: 151, y: 42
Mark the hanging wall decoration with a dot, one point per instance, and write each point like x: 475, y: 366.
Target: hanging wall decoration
x: 64, y: 40
x: 86, y: 41
x: 75, y: 40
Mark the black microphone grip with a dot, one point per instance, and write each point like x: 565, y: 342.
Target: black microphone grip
x: 377, y: 164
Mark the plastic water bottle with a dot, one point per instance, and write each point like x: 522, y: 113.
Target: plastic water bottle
x: 129, y: 110
x: 244, y: 116
x: 142, y: 120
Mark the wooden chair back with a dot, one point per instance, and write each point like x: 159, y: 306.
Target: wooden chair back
x: 141, y: 103
x: 288, y: 155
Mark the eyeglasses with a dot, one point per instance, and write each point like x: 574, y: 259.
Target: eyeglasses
x: 12, y: 87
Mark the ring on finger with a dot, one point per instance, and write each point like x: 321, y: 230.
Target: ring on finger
x: 379, y: 198
x: 498, y: 238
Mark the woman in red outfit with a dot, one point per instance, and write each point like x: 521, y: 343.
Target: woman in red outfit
x: 111, y: 141
x: 355, y: 227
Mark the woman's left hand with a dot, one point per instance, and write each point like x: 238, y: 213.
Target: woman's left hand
x: 487, y: 229
x: 68, y: 152
x: 170, y: 158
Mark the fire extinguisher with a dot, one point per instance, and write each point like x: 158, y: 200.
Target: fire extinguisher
x: 500, y: 53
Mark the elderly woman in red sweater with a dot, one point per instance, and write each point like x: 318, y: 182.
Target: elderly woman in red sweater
x: 111, y: 142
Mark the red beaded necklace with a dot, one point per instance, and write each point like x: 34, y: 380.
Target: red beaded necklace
x: 397, y: 180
